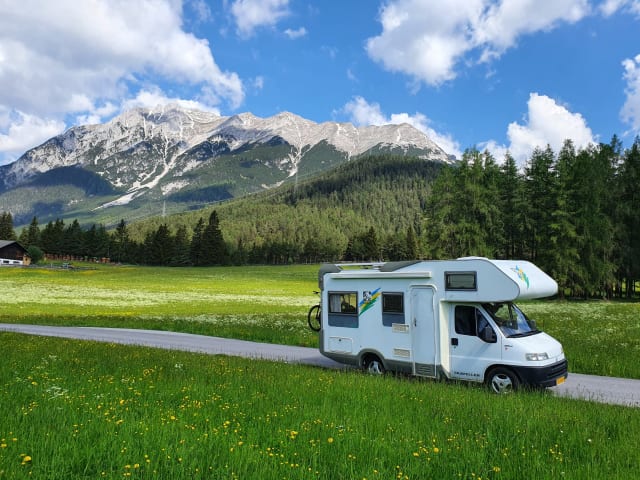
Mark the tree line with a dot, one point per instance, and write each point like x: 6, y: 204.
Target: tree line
x: 575, y: 214
x: 204, y: 246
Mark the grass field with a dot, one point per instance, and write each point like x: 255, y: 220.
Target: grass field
x: 73, y: 409
x: 270, y: 304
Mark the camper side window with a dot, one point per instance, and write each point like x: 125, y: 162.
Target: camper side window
x: 392, y: 309
x: 460, y: 281
x: 343, y: 309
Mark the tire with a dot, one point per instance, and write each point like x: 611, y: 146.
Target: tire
x: 314, y: 318
x: 373, y: 365
x: 502, y: 381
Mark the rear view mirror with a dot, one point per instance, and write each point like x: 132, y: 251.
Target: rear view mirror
x: 488, y: 335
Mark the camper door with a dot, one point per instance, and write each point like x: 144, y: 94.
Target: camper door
x: 423, y: 332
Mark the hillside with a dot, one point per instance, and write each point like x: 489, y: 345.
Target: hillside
x: 323, y: 215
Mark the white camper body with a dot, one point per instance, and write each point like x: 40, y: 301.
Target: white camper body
x: 454, y: 319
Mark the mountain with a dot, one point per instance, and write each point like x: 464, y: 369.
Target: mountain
x: 148, y: 161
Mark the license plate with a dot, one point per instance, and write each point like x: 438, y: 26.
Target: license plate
x: 560, y: 380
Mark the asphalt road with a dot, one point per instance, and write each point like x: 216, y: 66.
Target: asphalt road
x: 593, y: 388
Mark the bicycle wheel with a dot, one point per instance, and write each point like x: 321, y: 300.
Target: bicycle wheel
x: 314, y: 319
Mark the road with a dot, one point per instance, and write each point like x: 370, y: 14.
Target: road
x: 618, y: 391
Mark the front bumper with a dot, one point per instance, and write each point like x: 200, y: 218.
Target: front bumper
x: 546, y: 376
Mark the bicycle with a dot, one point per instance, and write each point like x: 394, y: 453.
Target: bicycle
x: 314, y: 317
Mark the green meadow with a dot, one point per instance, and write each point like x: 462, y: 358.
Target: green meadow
x: 74, y: 409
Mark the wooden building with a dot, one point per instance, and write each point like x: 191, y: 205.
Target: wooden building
x: 12, y: 253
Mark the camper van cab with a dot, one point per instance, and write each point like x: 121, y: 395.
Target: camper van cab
x: 453, y: 319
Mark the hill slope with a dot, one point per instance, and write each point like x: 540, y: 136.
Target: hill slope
x: 319, y: 219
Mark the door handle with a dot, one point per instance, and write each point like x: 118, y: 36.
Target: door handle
x: 454, y: 342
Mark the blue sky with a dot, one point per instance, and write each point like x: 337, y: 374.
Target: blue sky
x: 502, y: 75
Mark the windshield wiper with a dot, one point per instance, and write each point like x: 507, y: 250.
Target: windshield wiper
x: 523, y: 334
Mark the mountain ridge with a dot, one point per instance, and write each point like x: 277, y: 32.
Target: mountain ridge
x: 150, y: 154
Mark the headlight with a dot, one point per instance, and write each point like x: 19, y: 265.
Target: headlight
x: 537, y: 357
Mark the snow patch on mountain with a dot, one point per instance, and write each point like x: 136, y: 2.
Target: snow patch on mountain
x: 143, y: 147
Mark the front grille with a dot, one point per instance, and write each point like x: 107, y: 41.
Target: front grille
x: 558, y: 370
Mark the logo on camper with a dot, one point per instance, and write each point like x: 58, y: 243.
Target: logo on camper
x: 521, y: 275
x: 368, y: 300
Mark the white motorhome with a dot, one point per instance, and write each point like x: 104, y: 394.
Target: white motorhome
x: 450, y: 319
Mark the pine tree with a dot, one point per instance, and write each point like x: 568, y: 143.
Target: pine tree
x: 540, y: 192
x: 120, y: 243
x: 628, y: 218
x: 196, y: 252
x: 52, y: 237
x: 30, y: 236
x: 6, y: 227
x: 180, y: 255
x: 564, y: 255
x: 512, y: 202
x: 214, y: 250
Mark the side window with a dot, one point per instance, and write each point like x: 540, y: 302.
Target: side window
x: 469, y: 320
x: 461, y: 281
x: 343, y: 309
x: 465, y: 317
x: 343, y: 302
x: 392, y: 308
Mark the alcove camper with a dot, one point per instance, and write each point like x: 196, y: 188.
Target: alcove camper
x: 454, y: 319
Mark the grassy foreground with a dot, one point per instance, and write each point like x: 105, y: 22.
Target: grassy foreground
x: 73, y: 409
x: 270, y: 304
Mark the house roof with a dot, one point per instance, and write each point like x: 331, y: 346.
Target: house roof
x: 6, y: 243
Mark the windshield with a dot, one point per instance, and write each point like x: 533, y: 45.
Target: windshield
x: 511, y: 320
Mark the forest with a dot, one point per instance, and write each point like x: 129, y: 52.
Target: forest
x: 574, y: 213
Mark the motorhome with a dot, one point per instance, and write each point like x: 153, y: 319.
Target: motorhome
x: 453, y: 319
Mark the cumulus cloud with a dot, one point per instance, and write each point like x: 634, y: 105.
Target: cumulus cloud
x: 252, y: 14
x: 630, y: 112
x: 75, y: 58
x: 361, y: 113
x: 428, y: 39
x: 546, y: 123
x: 153, y: 97
x: 609, y: 7
x: 24, y: 131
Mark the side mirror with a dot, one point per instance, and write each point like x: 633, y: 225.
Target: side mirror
x: 488, y: 335
x: 533, y: 325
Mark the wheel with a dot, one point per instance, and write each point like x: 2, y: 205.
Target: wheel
x: 502, y: 381
x: 314, y: 318
x: 373, y: 365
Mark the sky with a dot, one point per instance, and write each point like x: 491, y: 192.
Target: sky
x: 507, y: 75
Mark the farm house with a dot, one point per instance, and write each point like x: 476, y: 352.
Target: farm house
x: 12, y: 253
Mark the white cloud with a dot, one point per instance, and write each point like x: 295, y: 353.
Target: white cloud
x: 68, y: 60
x: 293, y: 34
x: 361, y: 112
x: 252, y: 14
x: 609, y: 7
x: 546, y: 123
x: 154, y: 97
x: 24, y: 131
x: 428, y: 39
x: 630, y: 112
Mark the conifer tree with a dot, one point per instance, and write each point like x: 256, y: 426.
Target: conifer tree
x: 6, y: 227
x: 628, y: 218
x: 214, y: 250
x: 196, y: 249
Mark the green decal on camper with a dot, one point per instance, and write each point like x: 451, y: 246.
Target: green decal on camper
x: 521, y: 275
x: 368, y: 300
